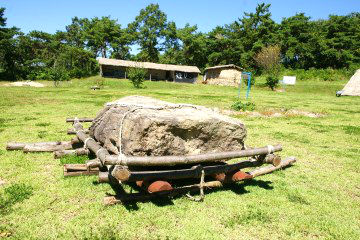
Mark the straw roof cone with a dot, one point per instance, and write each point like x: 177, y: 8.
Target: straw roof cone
x: 352, y: 88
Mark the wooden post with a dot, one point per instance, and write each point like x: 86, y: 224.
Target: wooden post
x: 150, y: 76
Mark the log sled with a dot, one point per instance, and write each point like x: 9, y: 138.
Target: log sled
x: 155, y: 175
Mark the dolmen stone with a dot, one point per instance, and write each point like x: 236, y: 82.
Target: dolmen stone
x: 144, y: 126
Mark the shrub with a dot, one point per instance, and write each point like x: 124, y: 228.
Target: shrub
x: 269, y: 60
x: 272, y: 81
x: 137, y: 76
x: 100, y: 82
x: 240, y: 106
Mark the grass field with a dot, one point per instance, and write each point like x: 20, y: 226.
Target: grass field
x: 318, y: 198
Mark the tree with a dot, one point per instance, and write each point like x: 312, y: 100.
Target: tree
x: 100, y: 34
x: 10, y: 59
x: 269, y: 60
x: 171, y: 45
x: 75, y: 32
x: 193, y: 46
x: 252, y: 32
x: 147, y: 31
x: 296, y: 35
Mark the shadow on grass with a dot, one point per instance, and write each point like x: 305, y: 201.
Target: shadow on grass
x: 13, y: 194
x: 165, y: 200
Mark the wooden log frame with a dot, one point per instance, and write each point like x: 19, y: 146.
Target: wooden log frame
x: 110, y: 200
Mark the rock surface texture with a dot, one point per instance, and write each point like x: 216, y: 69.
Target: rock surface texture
x: 145, y: 126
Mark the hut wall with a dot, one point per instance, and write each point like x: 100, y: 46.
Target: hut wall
x: 113, y: 71
x: 156, y: 74
x: 224, y: 77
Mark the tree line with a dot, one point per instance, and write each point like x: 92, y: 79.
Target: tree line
x: 304, y: 43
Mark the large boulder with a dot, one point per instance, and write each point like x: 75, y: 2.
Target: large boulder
x: 146, y: 126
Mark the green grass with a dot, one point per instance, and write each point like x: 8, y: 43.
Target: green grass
x: 318, y: 198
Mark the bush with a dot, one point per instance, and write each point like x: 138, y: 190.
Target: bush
x: 272, y: 81
x: 137, y: 76
x: 240, y: 106
x: 54, y: 74
x: 58, y: 74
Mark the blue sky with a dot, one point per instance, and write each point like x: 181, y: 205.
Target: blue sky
x: 52, y: 15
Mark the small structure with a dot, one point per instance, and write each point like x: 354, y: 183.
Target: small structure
x: 226, y: 75
x: 289, y: 80
x: 352, y: 88
x: 176, y: 73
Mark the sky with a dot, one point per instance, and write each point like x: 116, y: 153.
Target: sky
x: 53, y: 15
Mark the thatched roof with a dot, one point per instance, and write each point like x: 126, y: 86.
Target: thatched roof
x: 352, y: 88
x: 225, y: 66
x: 148, y: 65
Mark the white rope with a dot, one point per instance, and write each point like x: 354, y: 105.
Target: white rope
x: 270, y: 149
x: 122, y: 159
x: 86, y: 140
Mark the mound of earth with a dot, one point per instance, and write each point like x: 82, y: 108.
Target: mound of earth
x: 25, y: 84
x: 144, y: 126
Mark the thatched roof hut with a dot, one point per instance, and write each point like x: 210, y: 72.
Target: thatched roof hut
x: 177, y: 73
x: 352, y: 88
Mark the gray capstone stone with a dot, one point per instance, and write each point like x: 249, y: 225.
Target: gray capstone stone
x: 153, y: 127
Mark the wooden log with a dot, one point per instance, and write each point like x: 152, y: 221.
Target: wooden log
x: 93, y: 163
x: 79, y: 170
x: 91, y: 144
x: 269, y: 169
x: 192, y: 159
x: 272, y: 159
x: 80, y: 173
x: 47, y: 148
x: 76, y: 152
x: 121, y: 173
x: 79, y: 119
x: 71, y: 131
x: 103, y: 177
x: 20, y: 146
x: 78, y: 167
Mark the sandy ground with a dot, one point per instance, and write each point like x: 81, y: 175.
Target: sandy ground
x: 24, y: 83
